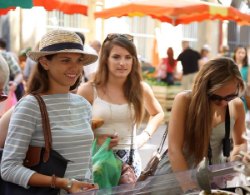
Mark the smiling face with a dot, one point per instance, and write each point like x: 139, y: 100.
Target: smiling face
x: 63, y: 70
x: 120, y: 62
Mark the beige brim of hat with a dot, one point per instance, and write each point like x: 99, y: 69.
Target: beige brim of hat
x: 88, y: 58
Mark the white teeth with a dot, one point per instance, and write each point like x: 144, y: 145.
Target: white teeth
x: 71, y: 75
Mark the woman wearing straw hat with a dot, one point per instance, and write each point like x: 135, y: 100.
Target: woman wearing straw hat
x: 60, y: 60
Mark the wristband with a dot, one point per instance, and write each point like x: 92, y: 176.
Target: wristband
x: 70, y: 183
x: 53, y: 182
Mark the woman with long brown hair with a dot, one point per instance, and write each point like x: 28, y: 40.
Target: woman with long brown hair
x: 198, y: 117
x: 60, y: 60
x: 119, y: 96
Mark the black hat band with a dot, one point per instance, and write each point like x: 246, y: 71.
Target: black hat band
x: 62, y: 46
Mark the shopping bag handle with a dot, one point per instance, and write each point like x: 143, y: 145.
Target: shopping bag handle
x: 163, y: 140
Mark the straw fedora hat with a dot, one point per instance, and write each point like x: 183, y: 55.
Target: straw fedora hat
x: 61, y: 41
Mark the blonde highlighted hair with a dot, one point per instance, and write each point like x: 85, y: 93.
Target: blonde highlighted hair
x: 213, y: 75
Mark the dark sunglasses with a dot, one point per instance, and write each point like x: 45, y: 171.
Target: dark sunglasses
x: 214, y: 97
x: 112, y: 36
x: 3, y: 97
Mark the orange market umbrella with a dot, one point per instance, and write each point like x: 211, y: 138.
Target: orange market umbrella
x: 49, y: 5
x: 176, y: 11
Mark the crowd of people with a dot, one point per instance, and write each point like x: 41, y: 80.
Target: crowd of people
x: 79, y: 84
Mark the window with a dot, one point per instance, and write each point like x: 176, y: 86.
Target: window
x: 190, y: 33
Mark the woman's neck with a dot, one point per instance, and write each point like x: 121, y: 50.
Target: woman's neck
x: 239, y: 63
x: 116, y: 83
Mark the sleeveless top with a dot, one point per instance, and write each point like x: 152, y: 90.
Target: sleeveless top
x: 117, y: 119
x: 244, y: 73
x: 218, y: 133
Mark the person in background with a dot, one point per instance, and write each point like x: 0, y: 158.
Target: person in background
x: 88, y: 71
x: 162, y: 72
x: 197, y: 122
x: 23, y: 57
x: 29, y: 65
x: 4, y: 77
x: 189, y: 60
x: 241, y: 59
x: 170, y: 64
x: 205, y: 50
x: 16, y: 76
x: 96, y: 45
x: 224, y: 51
x: 60, y: 60
x: 119, y: 96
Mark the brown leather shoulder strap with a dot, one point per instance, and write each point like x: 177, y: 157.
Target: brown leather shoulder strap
x: 46, y: 127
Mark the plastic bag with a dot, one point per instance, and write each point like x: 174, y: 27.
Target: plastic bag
x: 106, y: 167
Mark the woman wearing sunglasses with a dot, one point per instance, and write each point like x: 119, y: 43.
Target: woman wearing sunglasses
x: 119, y: 96
x: 197, y: 122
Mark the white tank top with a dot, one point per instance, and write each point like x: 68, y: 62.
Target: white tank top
x: 117, y: 119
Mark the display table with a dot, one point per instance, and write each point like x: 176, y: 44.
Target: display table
x: 226, y: 178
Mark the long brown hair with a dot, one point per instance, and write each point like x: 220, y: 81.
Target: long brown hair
x: 39, y: 81
x: 132, y: 87
x: 170, y: 53
x: 211, y: 77
x: 245, y: 60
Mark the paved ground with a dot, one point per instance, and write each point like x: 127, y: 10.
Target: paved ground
x: 147, y: 150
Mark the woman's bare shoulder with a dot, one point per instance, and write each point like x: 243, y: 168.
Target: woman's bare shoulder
x: 183, y: 96
x: 86, y: 91
x: 237, y: 107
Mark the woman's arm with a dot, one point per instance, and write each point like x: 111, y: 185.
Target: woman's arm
x: 176, y: 132
x: 238, y: 129
x: 4, y: 125
x: 155, y: 111
x: 176, y: 138
x: 40, y: 180
x: 22, y: 125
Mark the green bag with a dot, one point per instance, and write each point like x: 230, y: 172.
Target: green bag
x: 106, y: 167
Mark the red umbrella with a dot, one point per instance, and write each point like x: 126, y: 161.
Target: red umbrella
x: 176, y: 11
x: 49, y: 5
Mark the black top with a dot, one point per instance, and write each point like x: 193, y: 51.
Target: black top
x: 189, y: 60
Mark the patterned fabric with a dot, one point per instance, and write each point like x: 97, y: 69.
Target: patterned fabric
x: 70, y: 121
x: 123, y: 155
x: 13, y: 66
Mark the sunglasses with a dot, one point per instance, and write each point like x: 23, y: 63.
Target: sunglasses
x: 3, y: 97
x: 218, y: 98
x: 112, y: 36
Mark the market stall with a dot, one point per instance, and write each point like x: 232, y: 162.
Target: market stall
x: 230, y: 177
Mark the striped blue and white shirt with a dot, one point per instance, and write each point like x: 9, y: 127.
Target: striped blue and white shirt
x: 70, y: 121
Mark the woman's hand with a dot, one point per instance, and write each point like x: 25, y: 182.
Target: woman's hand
x: 80, y: 186
x: 113, y: 142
